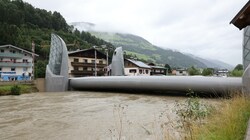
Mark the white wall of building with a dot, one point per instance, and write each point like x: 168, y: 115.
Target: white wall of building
x: 136, y: 71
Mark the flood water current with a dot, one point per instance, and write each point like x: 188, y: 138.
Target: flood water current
x: 88, y: 116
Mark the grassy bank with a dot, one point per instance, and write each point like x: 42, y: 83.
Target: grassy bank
x: 6, y: 89
x: 227, y: 122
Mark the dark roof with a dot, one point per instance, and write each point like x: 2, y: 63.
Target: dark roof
x: 139, y: 63
x: 72, y: 52
x: 4, y: 46
x: 87, y: 51
x: 242, y: 19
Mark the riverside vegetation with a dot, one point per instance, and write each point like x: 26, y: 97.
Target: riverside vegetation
x: 196, y: 120
x: 17, y: 89
x: 226, y: 121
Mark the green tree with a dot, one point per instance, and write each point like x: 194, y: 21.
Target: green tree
x: 40, y: 68
x: 238, y: 67
x: 238, y: 71
x: 168, y: 68
x: 193, y: 71
x: 207, y: 72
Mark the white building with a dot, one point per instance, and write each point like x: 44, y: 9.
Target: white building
x: 15, y: 63
x: 181, y: 72
x: 136, y: 68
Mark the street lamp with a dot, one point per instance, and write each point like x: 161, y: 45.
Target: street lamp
x: 95, y: 61
x: 107, y: 55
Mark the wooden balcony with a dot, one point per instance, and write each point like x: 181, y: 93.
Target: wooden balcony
x: 87, y: 73
x: 81, y: 64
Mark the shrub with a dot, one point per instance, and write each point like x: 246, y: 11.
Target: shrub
x: 15, y: 90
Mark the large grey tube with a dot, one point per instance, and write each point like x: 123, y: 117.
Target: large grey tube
x: 164, y: 83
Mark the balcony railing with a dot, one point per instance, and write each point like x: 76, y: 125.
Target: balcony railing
x: 15, y: 64
x: 87, y: 64
x: 85, y: 72
x: 11, y: 55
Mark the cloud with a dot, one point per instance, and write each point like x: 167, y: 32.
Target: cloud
x: 197, y: 27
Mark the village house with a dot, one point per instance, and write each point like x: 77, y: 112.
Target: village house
x: 157, y: 70
x: 83, y: 63
x: 136, y: 68
x: 15, y: 63
x: 180, y: 72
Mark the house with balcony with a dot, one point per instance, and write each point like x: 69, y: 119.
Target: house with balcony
x: 83, y: 63
x: 136, y: 68
x: 180, y: 72
x: 15, y: 63
x: 157, y: 70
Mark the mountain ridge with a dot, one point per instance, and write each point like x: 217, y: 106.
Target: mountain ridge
x: 139, y: 47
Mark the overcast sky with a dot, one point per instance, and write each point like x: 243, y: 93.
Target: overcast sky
x: 199, y: 27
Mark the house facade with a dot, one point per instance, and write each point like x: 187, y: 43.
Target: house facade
x: 15, y: 63
x: 157, y: 70
x: 83, y: 62
x: 221, y: 73
x: 181, y: 72
x: 136, y: 68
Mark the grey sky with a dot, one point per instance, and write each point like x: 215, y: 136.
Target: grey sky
x: 199, y: 27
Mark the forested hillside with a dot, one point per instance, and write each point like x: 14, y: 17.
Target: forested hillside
x: 21, y: 23
x: 136, y: 46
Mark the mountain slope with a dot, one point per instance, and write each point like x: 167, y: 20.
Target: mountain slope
x: 210, y: 63
x: 135, y: 45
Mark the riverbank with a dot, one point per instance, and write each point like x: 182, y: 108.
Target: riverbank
x: 24, y: 88
x: 229, y: 120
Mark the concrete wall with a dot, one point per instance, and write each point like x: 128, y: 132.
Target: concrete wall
x: 40, y: 84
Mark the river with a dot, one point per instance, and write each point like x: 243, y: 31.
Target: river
x: 88, y: 116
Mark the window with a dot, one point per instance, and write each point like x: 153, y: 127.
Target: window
x: 100, y: 62
x: 76, y: 60
x: 76, y: 68
x: 12, y: 69
x: 25, y: 54
x: 132, y: 71
x: 25, y: 61
x: 140, y: 71
x: 14, y: 51
x: 93, y: 61
x: 146, y: 71
x: 85, y: 60
x: 0, y: 69
x: 2, y: 51
x: 25, y: 69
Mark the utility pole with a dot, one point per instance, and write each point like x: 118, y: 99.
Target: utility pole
x: 107, y: 61
x: 95, y: 61
x: 33, y: 61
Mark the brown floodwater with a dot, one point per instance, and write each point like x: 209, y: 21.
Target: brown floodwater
x: 88, y: 116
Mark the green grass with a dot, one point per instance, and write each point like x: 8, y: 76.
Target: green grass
x: 229, y: 122
x: 6, y: 89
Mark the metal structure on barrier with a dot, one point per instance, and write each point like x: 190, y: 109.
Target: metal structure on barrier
x: 56, y: 78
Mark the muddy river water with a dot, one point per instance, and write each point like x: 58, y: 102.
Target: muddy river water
x: 88, y: 116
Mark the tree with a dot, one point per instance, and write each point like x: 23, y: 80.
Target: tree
x: 40, y: 68
x: 207, y: 72
x: 238, y: 71
x: 238, y: 67
x: 193, y: 71
x: 168, y: 68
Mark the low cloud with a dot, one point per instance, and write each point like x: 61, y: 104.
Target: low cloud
x: 198, y: 27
